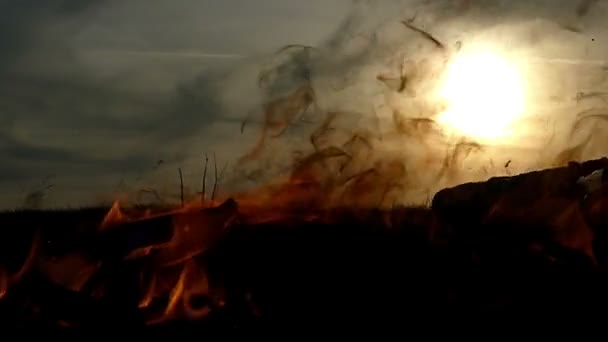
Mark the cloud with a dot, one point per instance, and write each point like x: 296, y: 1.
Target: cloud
x: 98, y: 92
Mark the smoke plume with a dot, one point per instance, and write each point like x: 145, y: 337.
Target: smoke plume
x: 348, y: 99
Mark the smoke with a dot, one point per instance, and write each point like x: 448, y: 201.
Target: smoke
x: 110, y: 98
x: 378, y: 73
x: 93, y: 95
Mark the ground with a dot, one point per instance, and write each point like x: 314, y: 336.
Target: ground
x: 519, y: 248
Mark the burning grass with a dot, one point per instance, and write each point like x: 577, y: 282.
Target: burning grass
x: 233, y: 263
x: 330, y: 240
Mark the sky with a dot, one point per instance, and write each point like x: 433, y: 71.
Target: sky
x: 103, y: 97
x: 95, y: 92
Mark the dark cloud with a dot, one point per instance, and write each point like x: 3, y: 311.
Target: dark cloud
x: 94, y: 92
x: 24, y: 25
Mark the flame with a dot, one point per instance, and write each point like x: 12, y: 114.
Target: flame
x: 7, y: 280
x: 177, y: 292
x: 113, y: 217
x: 145, y: 301
x: 193, y: 233
x: 3, y: 282
x: 71, y: 271
x: 196, y: 286
x: 341, y: 180
x: 29, y: 261
x: 175, y: 273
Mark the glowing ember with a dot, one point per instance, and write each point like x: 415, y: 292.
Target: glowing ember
x: 484, y: 94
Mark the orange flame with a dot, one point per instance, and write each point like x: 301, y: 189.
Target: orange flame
x: 113, y: 217
x: 3, y: 282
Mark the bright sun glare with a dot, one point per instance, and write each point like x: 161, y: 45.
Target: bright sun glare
x: 484, y: 94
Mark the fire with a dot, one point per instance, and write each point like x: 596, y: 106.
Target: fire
x: 113, y: 216
x: 173, y: 276
x: 340, y: 181
x: 484, y: 93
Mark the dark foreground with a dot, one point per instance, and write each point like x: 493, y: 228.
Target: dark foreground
x: 490, y: 257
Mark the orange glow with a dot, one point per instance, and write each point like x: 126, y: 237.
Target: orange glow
x: 114, y: 216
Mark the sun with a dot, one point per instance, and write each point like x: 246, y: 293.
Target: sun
x: 484, y: 94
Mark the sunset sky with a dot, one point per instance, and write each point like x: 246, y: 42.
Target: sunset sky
x: 94, y: 93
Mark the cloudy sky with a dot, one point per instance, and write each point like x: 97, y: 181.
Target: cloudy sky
x: 93, y: 94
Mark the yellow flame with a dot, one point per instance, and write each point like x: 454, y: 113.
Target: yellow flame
x: 485, y: 97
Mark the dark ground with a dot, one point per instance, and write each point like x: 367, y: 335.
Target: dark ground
x: 351, y: 273
x: 415, y: 268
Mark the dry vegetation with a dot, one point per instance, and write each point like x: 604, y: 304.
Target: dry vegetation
x: 238, y: 264
x: 328, y: 245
